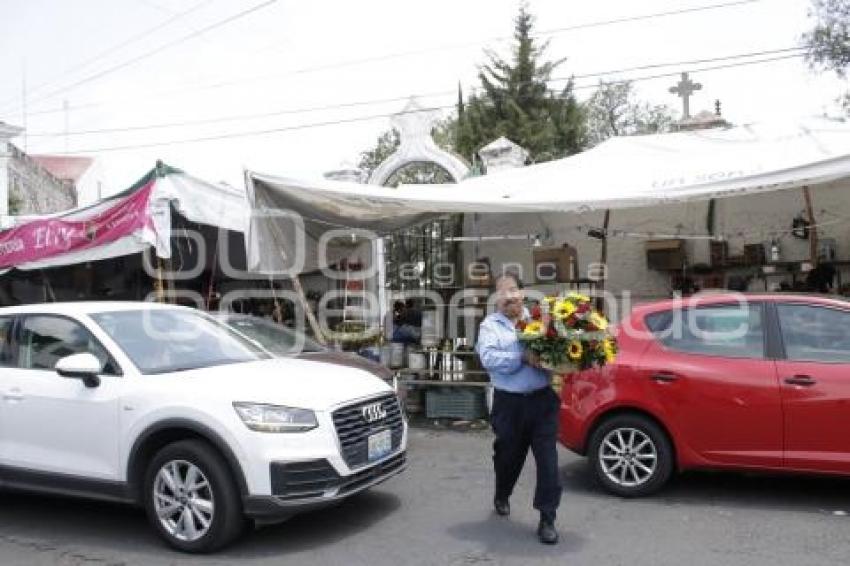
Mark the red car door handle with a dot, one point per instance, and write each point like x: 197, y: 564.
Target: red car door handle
x: 664, y: 377
x: 804, y: 380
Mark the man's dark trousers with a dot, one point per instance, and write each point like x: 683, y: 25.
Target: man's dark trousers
x: 522, y: 421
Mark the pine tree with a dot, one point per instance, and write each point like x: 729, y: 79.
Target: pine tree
x: 515, y: 101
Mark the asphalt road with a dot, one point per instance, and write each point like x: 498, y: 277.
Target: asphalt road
x: 439, y: 512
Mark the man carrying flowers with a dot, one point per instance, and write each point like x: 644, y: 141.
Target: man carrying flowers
x: 525, y: 408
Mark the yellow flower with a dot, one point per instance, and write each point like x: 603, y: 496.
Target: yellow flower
x: 575, y: 350
x: 598, y: 320
x: 563, y: 310
x: 533, y: 328
x: 609, y: 350
x: 551, y: 300
x: 572, y: 295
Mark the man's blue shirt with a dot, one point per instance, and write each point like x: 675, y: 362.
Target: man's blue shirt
x: 501, y: 355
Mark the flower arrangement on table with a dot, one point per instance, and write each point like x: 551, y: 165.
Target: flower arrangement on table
x: 568, y: 335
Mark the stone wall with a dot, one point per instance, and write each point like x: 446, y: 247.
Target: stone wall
x: 32, y: 190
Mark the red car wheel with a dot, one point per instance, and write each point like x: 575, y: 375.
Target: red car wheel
x: 631, y: 455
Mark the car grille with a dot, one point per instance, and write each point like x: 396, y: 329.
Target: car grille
x: 353, y: 430
x: 304, y: 480
x: 300, y: 480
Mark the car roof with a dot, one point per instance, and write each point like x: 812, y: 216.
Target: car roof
x: 86, y: 307
x: 711, y: 298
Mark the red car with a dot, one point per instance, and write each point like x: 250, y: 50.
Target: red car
x: 727, y: 381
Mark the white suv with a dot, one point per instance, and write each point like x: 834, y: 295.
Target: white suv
x: 165, y: 407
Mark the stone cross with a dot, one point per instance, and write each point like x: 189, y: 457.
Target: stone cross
x: 685, y: 88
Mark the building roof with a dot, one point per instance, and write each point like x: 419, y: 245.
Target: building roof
x: 65, y: 167
x: 8, y: 130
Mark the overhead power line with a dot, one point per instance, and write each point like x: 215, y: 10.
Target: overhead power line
x: 692, y: 62
x: 237, y: 117
x: 371, y: 117
x: 156, y: 50
x: 628, y: 19
x: 251, y: 116
x: 401, y: 54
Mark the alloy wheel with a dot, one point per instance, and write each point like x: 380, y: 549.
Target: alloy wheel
x: 183, y: 500
x: 628, y: 457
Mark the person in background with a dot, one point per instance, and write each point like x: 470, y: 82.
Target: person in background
x: 820, y: 279
x: 404, y: 330
x: 525, y: 409
x: 412, y: 314
x: 392, y: 320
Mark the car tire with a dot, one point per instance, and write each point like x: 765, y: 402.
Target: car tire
x: 631, y: 456
x: 191, y: 498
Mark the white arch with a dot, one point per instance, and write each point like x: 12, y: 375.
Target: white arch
x: 414, y: 124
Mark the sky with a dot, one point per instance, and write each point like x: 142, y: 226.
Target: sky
x: 296, y: 88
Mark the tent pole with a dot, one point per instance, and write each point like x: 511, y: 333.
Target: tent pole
x: 212, y: 276
x: 278, y: 312
x: 48, y: 289
x: 169, y: 281
x: 311, y: 317
x: 160, y: 290
x: 813, y: 227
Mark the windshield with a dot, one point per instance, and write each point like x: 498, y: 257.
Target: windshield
x: 277, y: 339
x: 166, y: 340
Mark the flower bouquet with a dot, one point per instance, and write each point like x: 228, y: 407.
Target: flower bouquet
x: 568, y: 335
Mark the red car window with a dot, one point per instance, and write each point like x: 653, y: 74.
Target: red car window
x: 719, y: 330
x: 816, y: 334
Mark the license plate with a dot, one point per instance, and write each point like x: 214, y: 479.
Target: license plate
x: 380, y: 444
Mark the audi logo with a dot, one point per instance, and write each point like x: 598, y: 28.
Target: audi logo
x: 373, y: 412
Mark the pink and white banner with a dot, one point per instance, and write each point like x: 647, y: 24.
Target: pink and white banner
x: 42, y: 239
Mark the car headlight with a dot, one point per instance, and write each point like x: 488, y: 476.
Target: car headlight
x: 275, y: 418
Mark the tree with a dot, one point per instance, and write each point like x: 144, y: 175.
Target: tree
x: 387, y: 143
x: 515, y: 101
x: 614, y: 110
x: 828, y: 43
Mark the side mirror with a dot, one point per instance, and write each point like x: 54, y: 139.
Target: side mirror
x: 85, y: 367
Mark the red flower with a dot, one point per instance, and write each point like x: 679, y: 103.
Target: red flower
x: 535, y: 312
x: 571, y: 321
x: 521, y: 325
x: 591, y: 327
x: 551, y: 332
x: 583, y: 308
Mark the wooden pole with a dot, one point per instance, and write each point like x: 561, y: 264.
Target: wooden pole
x: 813, y: 227
x: 603, y: 259
x: 311, y: 317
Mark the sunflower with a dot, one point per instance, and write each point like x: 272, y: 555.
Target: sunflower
x: 575, y: 350
x: 610, y: 350
x: 573, y: 296
x: 563, y: 310
x: 533, y: 328
x: 598, y: 321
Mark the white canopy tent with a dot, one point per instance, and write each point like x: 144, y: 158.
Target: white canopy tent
x: 621, y: 172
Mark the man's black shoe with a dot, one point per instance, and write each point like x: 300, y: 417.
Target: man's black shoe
x: 502, y: 507
x: 546, y: 532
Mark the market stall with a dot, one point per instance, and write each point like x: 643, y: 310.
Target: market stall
x: 109, y: 250
x: 629, y: 172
